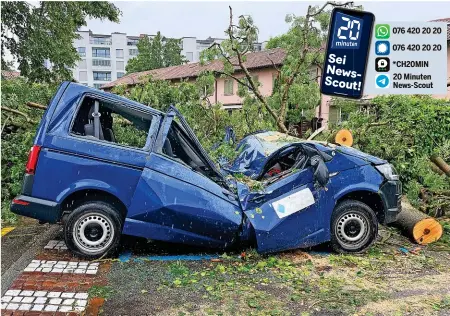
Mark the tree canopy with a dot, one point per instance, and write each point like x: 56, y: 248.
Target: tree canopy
x: 296, y: 87
x: 34, y: 34
x: 156, y: 52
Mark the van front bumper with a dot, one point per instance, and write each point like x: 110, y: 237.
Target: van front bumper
x: 391, y: 194
x: 42, y: 210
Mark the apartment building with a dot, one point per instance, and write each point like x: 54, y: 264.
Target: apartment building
x: 192, y: 47
x: 104, y: 57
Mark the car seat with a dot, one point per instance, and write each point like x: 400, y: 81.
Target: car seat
x: 106, y: 119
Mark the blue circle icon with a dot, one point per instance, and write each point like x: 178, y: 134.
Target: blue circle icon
x: 382, y: 81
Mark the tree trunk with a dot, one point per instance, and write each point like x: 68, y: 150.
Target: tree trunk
x: 438, y: 161
x: 417, y: 225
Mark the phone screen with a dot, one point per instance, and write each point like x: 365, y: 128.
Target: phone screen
x: 347, y: 53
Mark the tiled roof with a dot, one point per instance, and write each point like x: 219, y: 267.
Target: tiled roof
x: 10, y: 74
x: 254, y: 60
x: 446, y: 20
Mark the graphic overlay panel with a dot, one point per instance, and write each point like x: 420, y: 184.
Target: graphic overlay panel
x: 347, y: 52
x: 408, y: 58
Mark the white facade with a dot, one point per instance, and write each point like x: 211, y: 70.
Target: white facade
x: 104, y: 57
x: 192, y: 47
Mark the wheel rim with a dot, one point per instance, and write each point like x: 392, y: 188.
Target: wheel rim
x: 352, y: 230
x: 93, y: 233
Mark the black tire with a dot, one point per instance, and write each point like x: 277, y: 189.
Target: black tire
x: 354, y: 227
x: 91, y: 223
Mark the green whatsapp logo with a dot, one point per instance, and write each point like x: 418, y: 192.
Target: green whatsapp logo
x: 382, y: 31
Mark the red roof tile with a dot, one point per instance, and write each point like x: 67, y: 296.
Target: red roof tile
x: 254, y: 60
x: 10, y: 74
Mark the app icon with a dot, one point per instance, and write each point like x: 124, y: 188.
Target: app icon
x: 382, y: 64
x: 382, y: 81
x: 382, y: 31
x: 382, y: 48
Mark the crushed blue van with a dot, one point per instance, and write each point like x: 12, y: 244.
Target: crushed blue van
x: 103, y: 166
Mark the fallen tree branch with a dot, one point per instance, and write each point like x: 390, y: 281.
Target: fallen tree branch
x: 36, y: 105
x: 438, y: 161
x: 4, y: 108
x: 317, y: 132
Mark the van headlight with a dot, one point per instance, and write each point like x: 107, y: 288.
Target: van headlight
x: 388, y: 171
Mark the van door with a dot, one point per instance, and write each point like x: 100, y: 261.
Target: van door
x: 289, y: 213
x: 176, y: 201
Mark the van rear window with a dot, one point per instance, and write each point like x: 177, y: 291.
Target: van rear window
x: 116, y: 123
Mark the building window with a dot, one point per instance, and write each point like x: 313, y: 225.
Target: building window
x: 120, y: 75
x: 119, y: 53
x: 98, y: 85
x: 133, y: 52
x: 132, y: 41
x: 82, y: 64
x: 101, y: 52
x: 120, y: 65
x: 101, y: 62
x: 313, y: 72
x: 81, y: 51
x: 190, y: 56
x: 335, y: 115
x: 102, y: 76
x: 255, y: 81
x: 101, y: 40
x: 82, y: 76
x: 228, y: 87
x: 274, y: 80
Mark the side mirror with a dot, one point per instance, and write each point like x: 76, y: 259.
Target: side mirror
x: 321, y: 174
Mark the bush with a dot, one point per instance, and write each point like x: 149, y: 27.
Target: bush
x: 18, y: 134
x: 406, y: 131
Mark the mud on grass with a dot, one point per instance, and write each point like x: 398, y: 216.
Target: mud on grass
x: 383, y: 281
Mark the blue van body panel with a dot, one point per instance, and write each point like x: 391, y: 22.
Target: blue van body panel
x: 165, y: 199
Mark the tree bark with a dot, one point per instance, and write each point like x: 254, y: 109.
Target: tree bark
x: 36, y: 105
x: 418, y: 226
x: 438, y: 161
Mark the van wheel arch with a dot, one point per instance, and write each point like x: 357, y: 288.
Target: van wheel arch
x: 75, y: 199
x: 371, y: 199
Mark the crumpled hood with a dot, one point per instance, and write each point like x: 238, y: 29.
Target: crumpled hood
x: 254, y: 151
x: 359, y: 154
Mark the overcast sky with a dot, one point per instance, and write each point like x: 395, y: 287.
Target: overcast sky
x: 203, y: 19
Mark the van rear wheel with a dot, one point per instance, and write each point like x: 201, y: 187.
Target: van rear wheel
x: 93, y: 229
x: 354, y: 227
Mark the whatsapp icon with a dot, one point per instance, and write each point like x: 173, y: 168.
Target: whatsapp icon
x: 382, y: 31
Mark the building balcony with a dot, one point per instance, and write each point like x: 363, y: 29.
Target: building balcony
x: 100, y: 41
x: 101, y: 63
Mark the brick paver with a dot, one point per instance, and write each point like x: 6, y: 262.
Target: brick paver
x: 51, y: 292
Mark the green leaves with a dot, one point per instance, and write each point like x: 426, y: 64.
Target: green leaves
x: 35, y: 34
x: 154, y: 53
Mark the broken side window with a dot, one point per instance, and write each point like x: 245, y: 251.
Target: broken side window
x: 111, y: 122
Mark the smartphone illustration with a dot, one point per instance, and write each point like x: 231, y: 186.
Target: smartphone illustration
x: 347, y: 53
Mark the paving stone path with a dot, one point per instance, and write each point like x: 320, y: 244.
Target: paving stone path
x: 55, y: 283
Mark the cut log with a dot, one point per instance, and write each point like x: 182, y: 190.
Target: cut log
x: 344, y: 137
x: 420, y: 227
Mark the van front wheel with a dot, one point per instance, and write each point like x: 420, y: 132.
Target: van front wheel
x: 354, y: 227
x: 93, y: 229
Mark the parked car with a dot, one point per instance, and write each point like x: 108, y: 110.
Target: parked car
x: 103, y: 166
